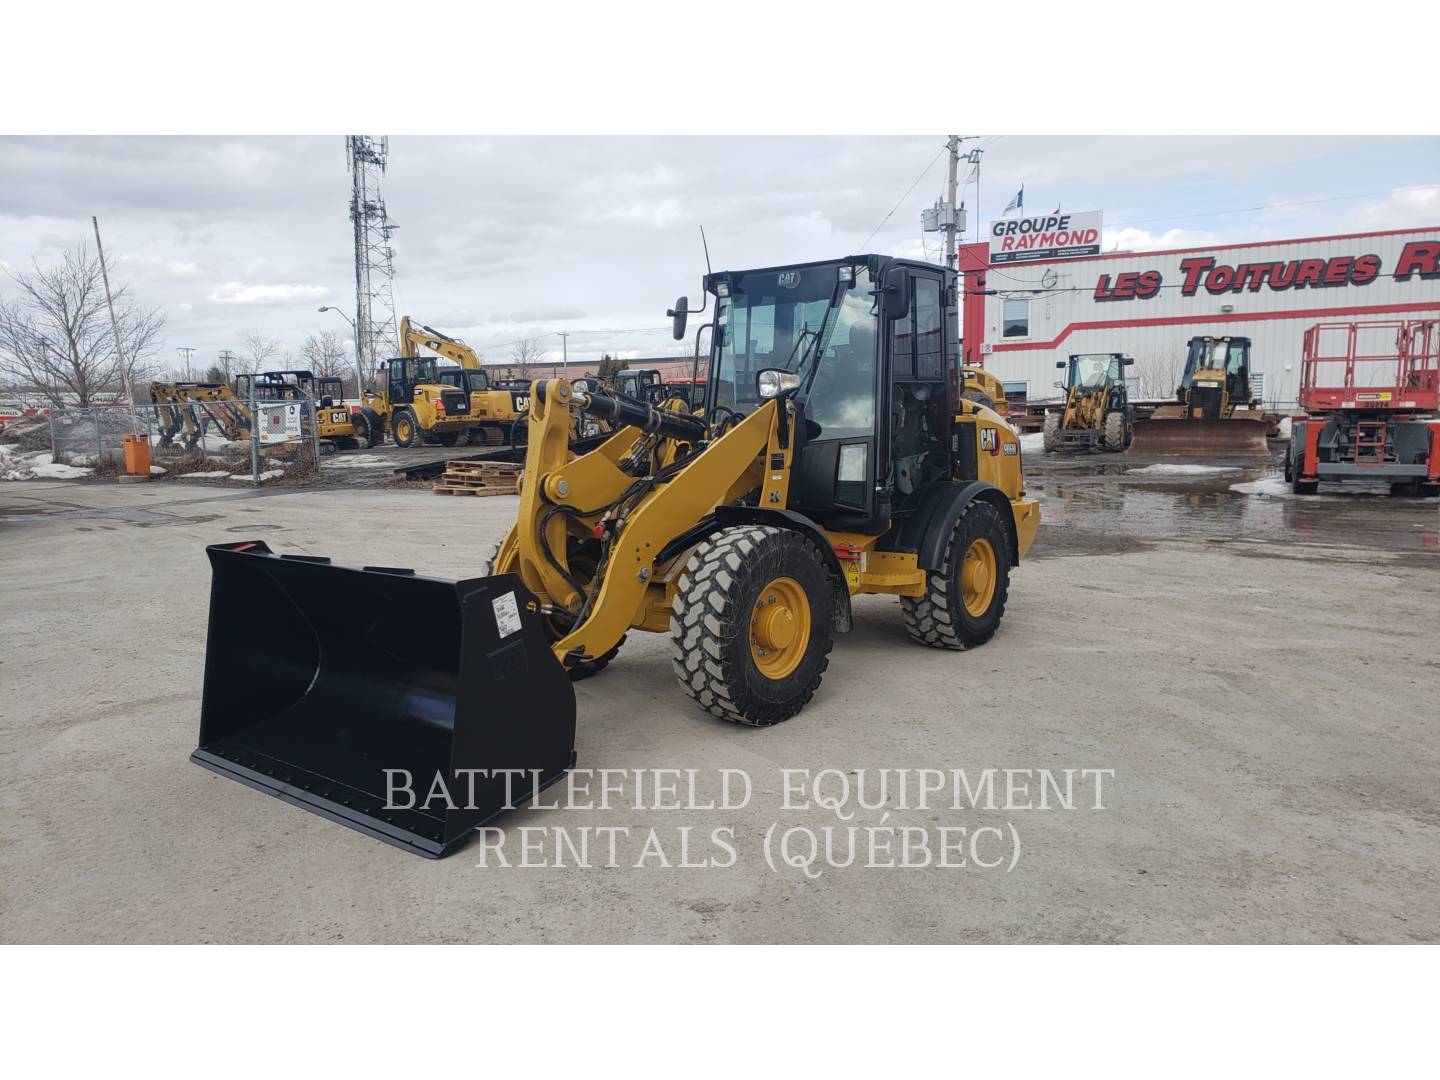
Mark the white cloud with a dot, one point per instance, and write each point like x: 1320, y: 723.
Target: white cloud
x: 1130, y: 238
x: 1401, y: 208
x: 234, y: 292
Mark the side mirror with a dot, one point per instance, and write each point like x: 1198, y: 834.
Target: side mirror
x: 1059, y: 363
x: 677, y: 315
x: 1126, y: 361
x: 772, y: 382
x: 896, y: 293
x: 1059, y: 386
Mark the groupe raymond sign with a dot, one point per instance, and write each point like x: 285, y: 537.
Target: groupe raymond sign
x: 1051, y: 236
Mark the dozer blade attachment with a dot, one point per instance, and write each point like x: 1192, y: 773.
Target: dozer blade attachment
x: 348, y: 691
x: 1236, y: 437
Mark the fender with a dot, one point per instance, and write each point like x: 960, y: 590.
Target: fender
x: 927, y: 531
x: 726, y: 516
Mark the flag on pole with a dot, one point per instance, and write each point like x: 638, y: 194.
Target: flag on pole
x: 1018, y: 202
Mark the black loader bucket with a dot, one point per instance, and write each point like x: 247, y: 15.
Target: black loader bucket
x: 349, y: 691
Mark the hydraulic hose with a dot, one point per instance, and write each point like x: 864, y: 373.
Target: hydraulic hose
x: 638, y: 414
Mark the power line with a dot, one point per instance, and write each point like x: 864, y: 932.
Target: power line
x: 1272, y: 206
x: 923, y: 173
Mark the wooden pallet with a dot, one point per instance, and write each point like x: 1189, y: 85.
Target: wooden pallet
x: 478, y: 478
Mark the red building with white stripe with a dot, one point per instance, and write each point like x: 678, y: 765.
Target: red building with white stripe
x: 1020, y: 318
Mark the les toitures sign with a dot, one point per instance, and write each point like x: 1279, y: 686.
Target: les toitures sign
x: 1419, y: 259
x: 1052, y: 236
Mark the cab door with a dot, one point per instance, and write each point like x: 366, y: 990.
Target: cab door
x: 923, y: 363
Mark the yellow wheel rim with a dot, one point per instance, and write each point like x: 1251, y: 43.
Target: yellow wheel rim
x: 977, y: 578
x: 779, y: 628
x: 402, y: 430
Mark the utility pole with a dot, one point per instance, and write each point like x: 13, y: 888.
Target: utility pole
x: 227, y: 358
x: 565, y: 351
x: 954, y: 145
x: 115, y: 329
x: 185, y: 354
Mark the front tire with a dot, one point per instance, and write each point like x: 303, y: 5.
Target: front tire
x: 751, y: 630
x: 964, y: 600
x: 1113, y: 435
x: 1051, y: 431
x: 405, y: 428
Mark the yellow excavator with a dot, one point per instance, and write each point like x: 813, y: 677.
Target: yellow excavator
x: 186, y: 409
x: 833, y: 456
x: 1215, y: 410
x: 418, y: 400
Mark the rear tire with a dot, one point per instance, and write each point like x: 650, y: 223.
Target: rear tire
x: 964, y: 601
x: 370, y: 427
x: 405, y: 428
x: 1292, y: 473
x: 751, y: 630
x: 979, y: 399
x: 1051, y: 431
x: 1112, y: 437
x: 447, y: 438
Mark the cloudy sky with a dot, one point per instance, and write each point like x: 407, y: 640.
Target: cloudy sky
x: 504, y: 238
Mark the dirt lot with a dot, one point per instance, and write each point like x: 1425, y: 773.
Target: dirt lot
x: 1259, y: 672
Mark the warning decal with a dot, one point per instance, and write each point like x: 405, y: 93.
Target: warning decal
x: 507, y: 614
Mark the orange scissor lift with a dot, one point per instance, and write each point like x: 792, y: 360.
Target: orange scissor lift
x: 1371, y: 395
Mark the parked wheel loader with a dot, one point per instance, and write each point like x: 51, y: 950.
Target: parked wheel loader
x: 1214, y: 411
x: 834, y: 457
x: 1096, y: 414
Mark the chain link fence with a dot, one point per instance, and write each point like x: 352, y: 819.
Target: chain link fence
x: 253, y: 440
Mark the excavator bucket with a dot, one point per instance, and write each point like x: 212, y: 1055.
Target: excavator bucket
x: 1240, y: 436
x: 412, y: 709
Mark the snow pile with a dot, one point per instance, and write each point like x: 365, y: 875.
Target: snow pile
x: 217, y: 474
x: 268, y: 474
x: 36, y: 466
x: 1284, y: 427
x: 1273, y: 486
x: 355, y: 461
x: 1033, y: 443
x: 157, y: 470
x: 1179, y: 470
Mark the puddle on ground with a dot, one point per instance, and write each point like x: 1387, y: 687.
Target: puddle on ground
x: 1100, y: 507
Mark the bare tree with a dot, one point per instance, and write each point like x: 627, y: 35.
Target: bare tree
x: 258, y: 353
x: 527, y: 352
x: 55, y: 335
x: 1159, y: 374
x: 325, y: 352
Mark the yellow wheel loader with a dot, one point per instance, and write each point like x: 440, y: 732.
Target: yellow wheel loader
x: 1214, y: 410
x: 1096, y: 414
x: 833, y: 457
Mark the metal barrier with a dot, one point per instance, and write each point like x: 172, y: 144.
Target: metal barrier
x: 191, y: 437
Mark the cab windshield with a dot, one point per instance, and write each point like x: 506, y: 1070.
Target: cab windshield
x: 1091, y: 370
x: 1212, y: 355
x: 816, y: 320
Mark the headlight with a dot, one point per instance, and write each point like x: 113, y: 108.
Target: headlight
x: 772, y: 382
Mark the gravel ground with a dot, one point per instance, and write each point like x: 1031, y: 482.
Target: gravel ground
x: 1255, y: 675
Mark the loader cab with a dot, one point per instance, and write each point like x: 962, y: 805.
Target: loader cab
x: 404, y: 373
x: 642, y: 385
x: 1097, y: 373
x: 874, y: 342
x: 1217, y: 373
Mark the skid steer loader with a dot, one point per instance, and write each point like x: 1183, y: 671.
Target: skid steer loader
x: 1096, y: 413
x: 1214, y: 411
x: 834, y: 456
